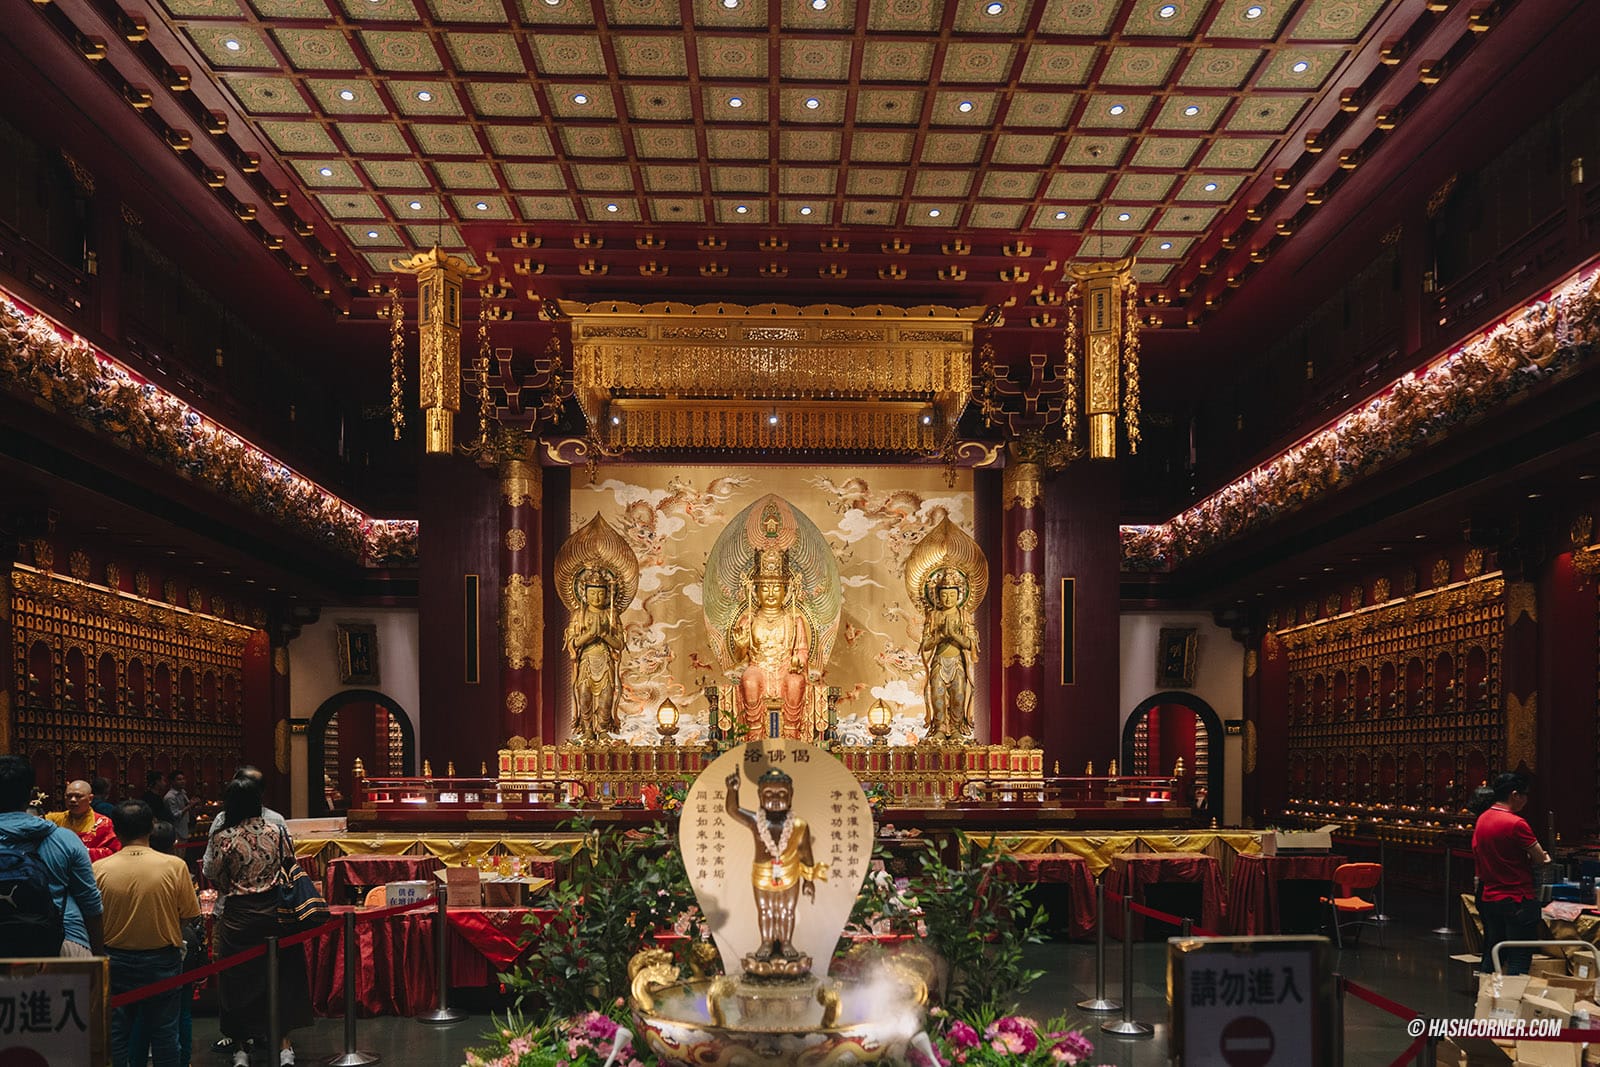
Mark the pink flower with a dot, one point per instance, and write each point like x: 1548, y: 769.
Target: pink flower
x: 1072, y: 1048
x: 520, y: 1045
x: 962, y: 1036
x: 1014, y: 1044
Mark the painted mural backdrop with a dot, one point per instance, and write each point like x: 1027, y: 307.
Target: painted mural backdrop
x: 671, y: 516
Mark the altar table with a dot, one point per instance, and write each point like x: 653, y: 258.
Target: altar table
x: 542, y: 854
x: 351, y: 872
x: 1133, y: 873
x: 1068, y: 870
x: 1253, y: 897
x: 398, y: 968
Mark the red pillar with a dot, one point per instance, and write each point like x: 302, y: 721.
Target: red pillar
x: 1567, y: 734
x: 522, y: 590
x: 1021, y: 600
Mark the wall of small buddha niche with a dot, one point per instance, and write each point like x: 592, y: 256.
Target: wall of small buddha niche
x: 119, y: 669
x: 1397, y: 689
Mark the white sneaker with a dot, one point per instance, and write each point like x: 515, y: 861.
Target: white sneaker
x: 285, y: 1057
x: 241, y: 1058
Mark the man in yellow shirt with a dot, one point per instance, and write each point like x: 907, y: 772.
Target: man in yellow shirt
x: 146, y: 896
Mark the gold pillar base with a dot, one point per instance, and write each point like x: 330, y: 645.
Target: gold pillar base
x: 439, y: 436
x: 1103, y: 436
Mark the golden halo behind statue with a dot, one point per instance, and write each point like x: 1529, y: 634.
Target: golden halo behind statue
x: 596, y: 547
x: 947, y: 547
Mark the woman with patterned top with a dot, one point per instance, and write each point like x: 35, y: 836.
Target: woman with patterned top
x: 244, y: 860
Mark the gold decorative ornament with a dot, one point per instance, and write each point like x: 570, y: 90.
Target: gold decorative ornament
x: 672, y: 376
x: 521, y: 477
x: 596, y: 577
x: 1109, y: 328
x: 947, y: 575
x: 516, y: 539
x: 1250, y: 742
x: 1441, y: 571
x: 78, y: 565
x: 1250, y: 663
x: 1021, y: 620
x: 1027, y: 701
x: 516, y: 702
x: 522, y: 621
x: 197, y: 600
x: 1380, y: 590
x: 169, y: 591
x: 1472, y: 564
x: 397, y: 362
x: 1020, y: 485
x: 280, y: 661
x: 1027, y: 540
x: 439, y: 277
x: 141, y: 583
x: 1357, y: 594
x: 1521, y: 599
x: 1522, y: 723
x: 280, y: 746
x: 44, y: 554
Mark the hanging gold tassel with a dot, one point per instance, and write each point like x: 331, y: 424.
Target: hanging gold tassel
x: 397, y: 318
x: 1069, y: 370
x: 481, y: 365
x: 1130, y: 366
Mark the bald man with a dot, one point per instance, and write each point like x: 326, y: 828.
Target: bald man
x: 92, y: 828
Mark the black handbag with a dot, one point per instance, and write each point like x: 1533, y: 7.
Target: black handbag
x: 300, y: 902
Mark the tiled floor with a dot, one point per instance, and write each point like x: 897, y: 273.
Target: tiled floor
x: 1411, y: 968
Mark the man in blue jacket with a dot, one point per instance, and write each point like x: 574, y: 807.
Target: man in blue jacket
x: 63, y: 856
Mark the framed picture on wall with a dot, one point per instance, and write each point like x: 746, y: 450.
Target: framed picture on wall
x: 1175, y: 657
x: 358, y: 653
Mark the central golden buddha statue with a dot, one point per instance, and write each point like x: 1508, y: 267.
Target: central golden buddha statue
x: 772, y: 599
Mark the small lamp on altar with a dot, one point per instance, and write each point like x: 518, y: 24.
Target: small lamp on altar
x: 878, y: 717
x: 667, y: 721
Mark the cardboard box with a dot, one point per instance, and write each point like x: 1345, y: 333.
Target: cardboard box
x: 463, y: 886
x: 1545, y: 966
x: 1276, y: 841
x: 1583, y: 987
x: 1502, y: 990
x: 1549, y: 1054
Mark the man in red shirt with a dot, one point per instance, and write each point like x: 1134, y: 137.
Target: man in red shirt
x: 1506, y: 853
x: 91, y: 827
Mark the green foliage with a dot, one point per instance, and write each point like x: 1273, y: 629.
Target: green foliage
x: 979, y: 919
x: 632, y: 886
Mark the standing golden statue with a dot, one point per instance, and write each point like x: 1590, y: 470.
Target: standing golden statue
x: 772, y: 600
x: 596, y: 577
x: 947, y: 575
x: 782, y: 869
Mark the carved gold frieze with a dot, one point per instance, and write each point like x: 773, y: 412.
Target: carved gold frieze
x: 1021, y: 620
x: 774, y: 375
x: 1021, y: 485
x: 86, y: 601
x: 521, y: 477
x: 522, y: 621
x: 1522, y: 722
x: 1521, y: 599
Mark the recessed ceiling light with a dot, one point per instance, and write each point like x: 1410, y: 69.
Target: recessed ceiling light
x: 1192, y: 109
x: 616, y: 420
x: 1060, y: 215
x: 424, y: 95
x: 812, y: 103
x: 346, y: 94
x: 819, y: 5
x: 372, y: 233
x: 772, y: 420
x: 231, y: 45
x: 805, y: 211
x: 1253, y: 12
x: 416, y: 205
x: 1166, y: 246
x: 1117, y: 109
x: 612, y: 207
x: 326, y: 172
x: 1534, y: 496
x: 1301, y: 67
x: 994, y: 8
x: 482, y: 205
x: 740, y: 210
x: 1210, y: 187
x: 736, y: 101
x: 927, y: 420
x: 964, y: 107
x: 580, y: 98
x: 933, y: 212
x: 553, y: 3
x: 1166, y: 11
x: 730, y: 4
x: 1124, y: 217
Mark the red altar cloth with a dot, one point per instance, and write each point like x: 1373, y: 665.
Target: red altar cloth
x: 1253, y: 890
x: 1059, y: 868
x: 1132, y: 872
x: 376, y: 869
x: 398, y: 969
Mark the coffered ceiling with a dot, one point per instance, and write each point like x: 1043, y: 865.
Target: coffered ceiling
x: 954, y: 150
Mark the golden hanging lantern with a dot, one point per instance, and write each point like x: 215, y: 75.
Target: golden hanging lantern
x: 1102, y: 334
x: 439, y: 278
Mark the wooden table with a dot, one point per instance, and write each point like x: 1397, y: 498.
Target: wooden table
x: 1133, y: 873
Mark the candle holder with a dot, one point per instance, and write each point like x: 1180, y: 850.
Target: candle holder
x: 878, y: 722
x: 667, y: 722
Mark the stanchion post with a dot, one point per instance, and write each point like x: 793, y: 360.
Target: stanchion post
x: 274, y: 1023
x: 1445, y: 929
x: 1127, y: 1026
x: 1430, y: 1050
x: 1383, y: 887
x: 1100, y: 1003
x: 351, y: 1056
x: 444, y: 1013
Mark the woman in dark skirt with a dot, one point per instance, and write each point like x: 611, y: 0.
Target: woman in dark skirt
x: 244, y: 860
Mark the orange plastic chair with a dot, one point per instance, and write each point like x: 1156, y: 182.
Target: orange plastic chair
x: 1349, y: 881
x: 375, y: 897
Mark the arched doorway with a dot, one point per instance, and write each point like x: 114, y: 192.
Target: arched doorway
x: 1175, y: 724
x: 355, y: 723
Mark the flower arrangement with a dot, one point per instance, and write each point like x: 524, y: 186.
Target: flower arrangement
x: 878, y: 797
x: 1009, y: 1041
x: 887, y: 904
x: 588, y: 1040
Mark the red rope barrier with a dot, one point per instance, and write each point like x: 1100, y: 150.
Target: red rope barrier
x: 1165, y: 916
x: 1378, y: 1000
x: 122, y: 1000
x: 1409, y: 1056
